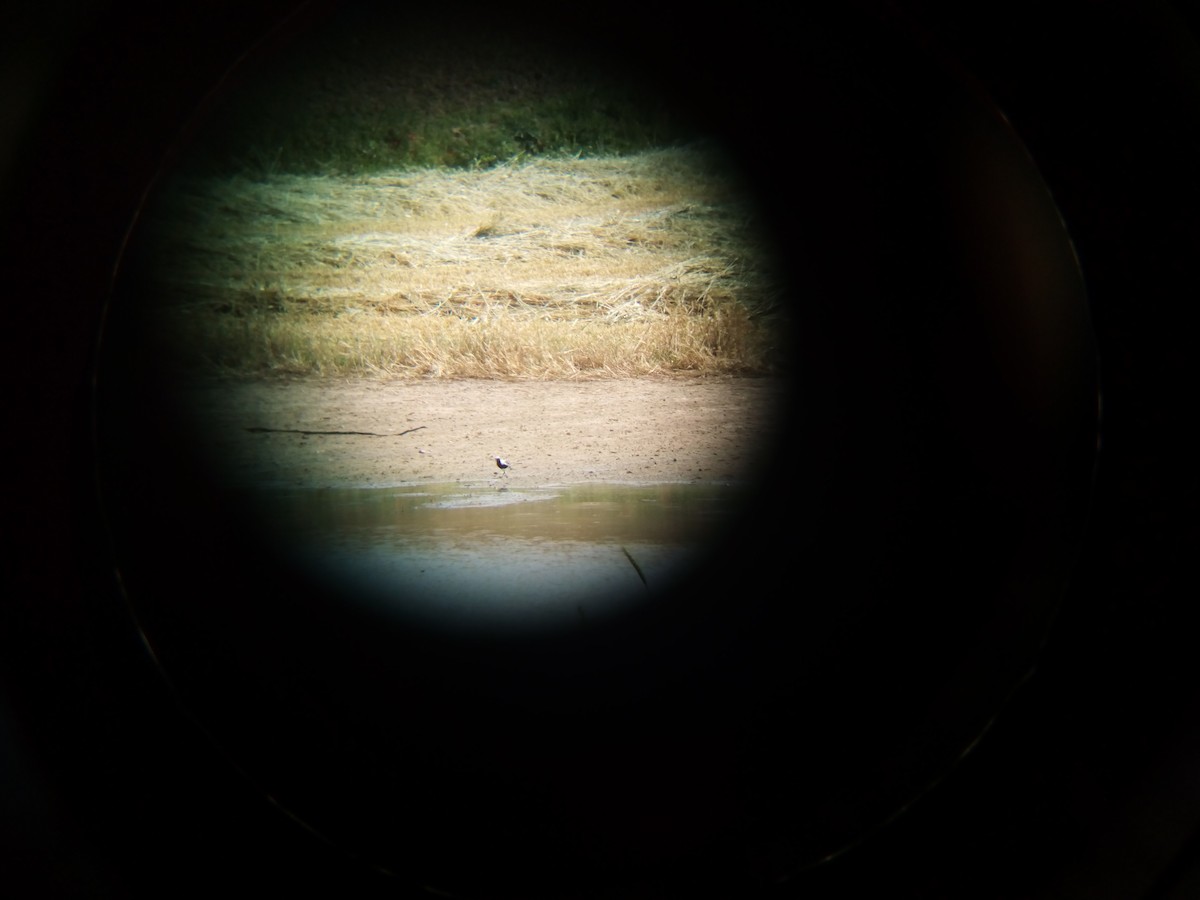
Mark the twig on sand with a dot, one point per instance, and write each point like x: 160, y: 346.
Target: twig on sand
x: 303, y: 431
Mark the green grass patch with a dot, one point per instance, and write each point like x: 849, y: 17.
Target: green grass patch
x: 358, y: 97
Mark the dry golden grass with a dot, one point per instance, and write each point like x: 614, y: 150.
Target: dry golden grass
x: 542, y: 269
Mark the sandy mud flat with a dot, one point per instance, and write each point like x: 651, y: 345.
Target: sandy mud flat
x: 637, y: 430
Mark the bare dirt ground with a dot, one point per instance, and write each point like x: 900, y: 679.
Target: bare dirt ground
x: 643, y: 430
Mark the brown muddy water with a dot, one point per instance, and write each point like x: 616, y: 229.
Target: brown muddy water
x: 501, y: 560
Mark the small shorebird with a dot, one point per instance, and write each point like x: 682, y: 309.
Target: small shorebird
x: 501, y: 464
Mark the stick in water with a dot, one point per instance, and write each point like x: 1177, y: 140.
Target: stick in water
x: 636, y: 567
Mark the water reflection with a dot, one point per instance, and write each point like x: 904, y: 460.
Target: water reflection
x: 493, y: 561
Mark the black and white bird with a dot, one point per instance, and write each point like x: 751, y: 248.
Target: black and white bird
x: 501, y: 464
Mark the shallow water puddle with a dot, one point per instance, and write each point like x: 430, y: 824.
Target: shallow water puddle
x: 495, y: 559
